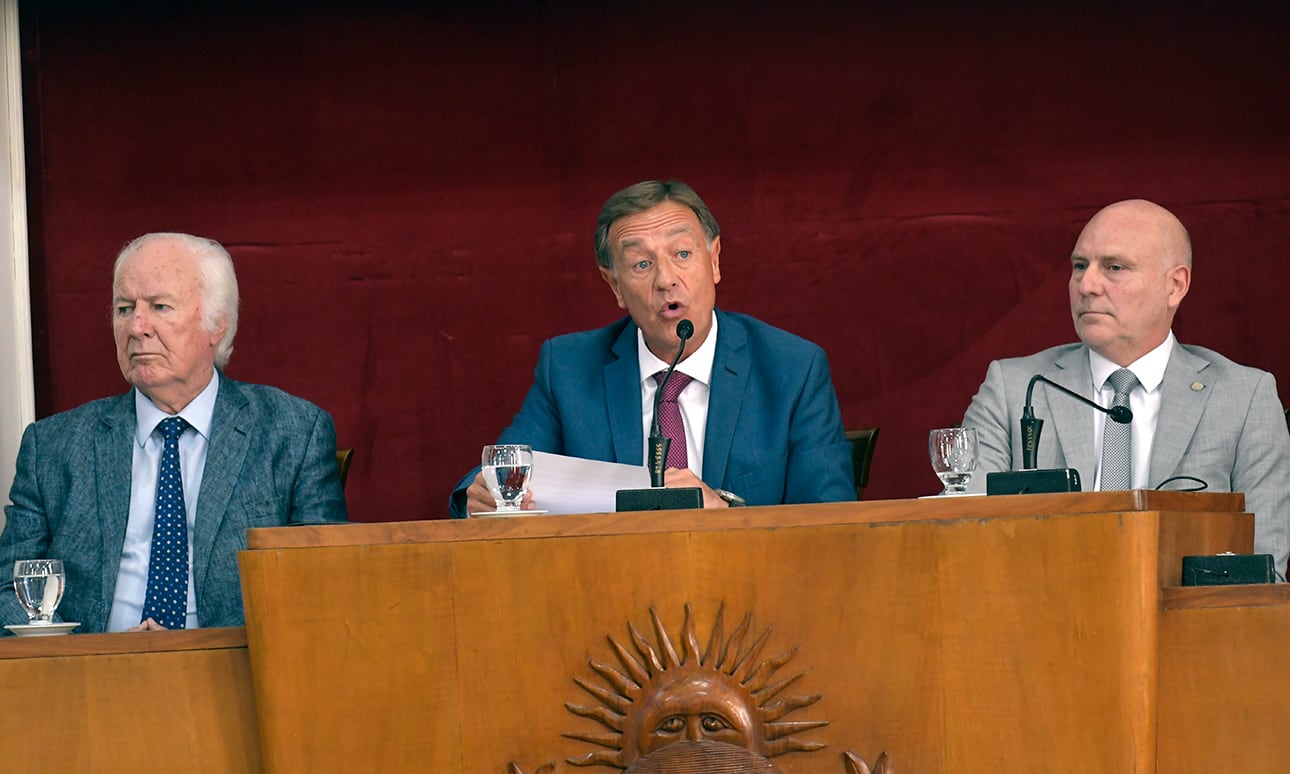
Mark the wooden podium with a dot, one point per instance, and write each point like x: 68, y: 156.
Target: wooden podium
x: 139, y: 702
x: 1030, y: 634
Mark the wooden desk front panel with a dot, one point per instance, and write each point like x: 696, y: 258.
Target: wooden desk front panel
x: 153, y: 702
x: 1225, y: 680
x: 958, y: 645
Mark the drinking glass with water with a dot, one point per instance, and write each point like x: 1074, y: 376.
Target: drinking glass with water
x: 39, y: 584
x: 953, y: 452
x: 508, y: 468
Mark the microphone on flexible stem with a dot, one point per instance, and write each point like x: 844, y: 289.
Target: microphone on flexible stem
x: 1031, y: 427
x: 659, y: 443
x: 1028, y: 479
x: 658, y: 497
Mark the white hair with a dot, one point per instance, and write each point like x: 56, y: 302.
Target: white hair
x: 219, y: 284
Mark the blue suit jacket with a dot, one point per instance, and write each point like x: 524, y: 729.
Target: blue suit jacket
x: 774, y: 432
x: 271, y: 461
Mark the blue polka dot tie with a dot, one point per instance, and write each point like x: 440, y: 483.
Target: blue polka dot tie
x: 167, y: 599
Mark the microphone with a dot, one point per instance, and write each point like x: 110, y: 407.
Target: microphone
x: 659, y: 497
x: 1031, y: 427
x: 1028, y: 479
x: 659, y: 443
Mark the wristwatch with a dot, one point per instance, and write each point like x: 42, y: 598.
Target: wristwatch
x: 732, y: 499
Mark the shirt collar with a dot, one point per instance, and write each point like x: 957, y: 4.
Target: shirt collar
x: 698, y: 366
x: 199, y: 412
x: 1150, y: 368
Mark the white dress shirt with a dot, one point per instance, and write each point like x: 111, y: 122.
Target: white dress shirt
x: 693, y: 401
x: 132, y: 577
x: 1144, y: 402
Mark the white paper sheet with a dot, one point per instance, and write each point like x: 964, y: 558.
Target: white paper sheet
x: 573, y: 485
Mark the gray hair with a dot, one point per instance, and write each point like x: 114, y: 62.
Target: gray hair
x: 641, y: 197
x: 219, y: 284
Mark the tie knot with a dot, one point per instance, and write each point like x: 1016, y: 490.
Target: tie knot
x: 674, y: 386
x: 172, y: 427
x: 1122, y: 382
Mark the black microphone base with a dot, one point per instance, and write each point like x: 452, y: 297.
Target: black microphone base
x: 659, y: 499
x: 1032, y: 481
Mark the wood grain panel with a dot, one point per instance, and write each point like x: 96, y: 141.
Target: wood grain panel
x: 1224, y: 679
x: 977, y: 634
x: 140, y: 702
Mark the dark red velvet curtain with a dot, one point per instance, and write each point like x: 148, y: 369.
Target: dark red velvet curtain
x: 409, y: 191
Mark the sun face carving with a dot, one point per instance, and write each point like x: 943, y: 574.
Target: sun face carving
x: 655, y: 695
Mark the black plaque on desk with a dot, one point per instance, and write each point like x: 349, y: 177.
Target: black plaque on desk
x: 1227, y: 569
x: 659, y: 499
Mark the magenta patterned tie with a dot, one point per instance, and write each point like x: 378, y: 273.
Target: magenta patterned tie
x: 669, y: 418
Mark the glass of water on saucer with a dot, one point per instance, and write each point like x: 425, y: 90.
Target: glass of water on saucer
x: 39, y: 584
x: 508, y: 469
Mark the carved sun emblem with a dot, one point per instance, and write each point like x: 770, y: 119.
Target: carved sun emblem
x: 726, y: 692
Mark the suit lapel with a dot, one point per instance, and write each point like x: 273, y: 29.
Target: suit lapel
x: 725, y: 398
x: 1072, y: 420
x: 623, y: 398
x: 1180, y: 410
x: 231, y: 426
x: 114, y: 464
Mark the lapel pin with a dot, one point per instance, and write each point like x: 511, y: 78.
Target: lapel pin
x: 1197, y: 386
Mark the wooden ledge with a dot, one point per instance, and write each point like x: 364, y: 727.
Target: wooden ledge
x: 1196, y: 597
x: 122, y: 643
x: 876, y: 513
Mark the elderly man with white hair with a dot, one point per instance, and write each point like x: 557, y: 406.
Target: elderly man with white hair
x: 146, y: 496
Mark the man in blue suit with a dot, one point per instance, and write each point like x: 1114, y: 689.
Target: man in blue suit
x: 87, y: 488
x: 761, y: 418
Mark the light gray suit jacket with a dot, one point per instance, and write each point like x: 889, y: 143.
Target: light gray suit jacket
x: 271, y: 461
x: 1219, y: 421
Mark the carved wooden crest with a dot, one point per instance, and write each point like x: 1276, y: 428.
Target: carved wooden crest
x: 679, y: 705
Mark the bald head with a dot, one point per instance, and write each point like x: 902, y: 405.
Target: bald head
x: 1130, y: 270
x: 1146, y: 223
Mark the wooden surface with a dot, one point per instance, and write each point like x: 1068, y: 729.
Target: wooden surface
x: 960, y: 635
x: 872, y: 512
x: 1224, y: 679
x: 139, y: 702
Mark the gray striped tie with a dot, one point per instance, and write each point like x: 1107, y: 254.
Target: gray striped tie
x: 1117, y: 439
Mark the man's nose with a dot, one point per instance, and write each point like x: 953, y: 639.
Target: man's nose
x: 664, y: 273
x: 1090, y: 282
x: 140, y: 323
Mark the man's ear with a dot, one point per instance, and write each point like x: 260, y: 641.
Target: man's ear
x: 221, y: 327
x: 611, y: 279
x: 715, y: 250
x: 1179, y: 284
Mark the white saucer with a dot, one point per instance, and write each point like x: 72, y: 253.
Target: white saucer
x: 508, y: 513
x: 42, y: 630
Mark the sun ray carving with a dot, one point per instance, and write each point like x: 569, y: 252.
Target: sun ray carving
x: 723, y: 691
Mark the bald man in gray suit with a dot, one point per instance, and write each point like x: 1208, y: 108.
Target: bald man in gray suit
x: 1196, y: 413
x: 86, y: 486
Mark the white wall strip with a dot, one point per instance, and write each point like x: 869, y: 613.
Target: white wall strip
x: 17, y: 390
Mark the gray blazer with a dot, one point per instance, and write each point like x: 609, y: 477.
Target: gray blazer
x: 271, y: 461
x: 1219, y: 421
